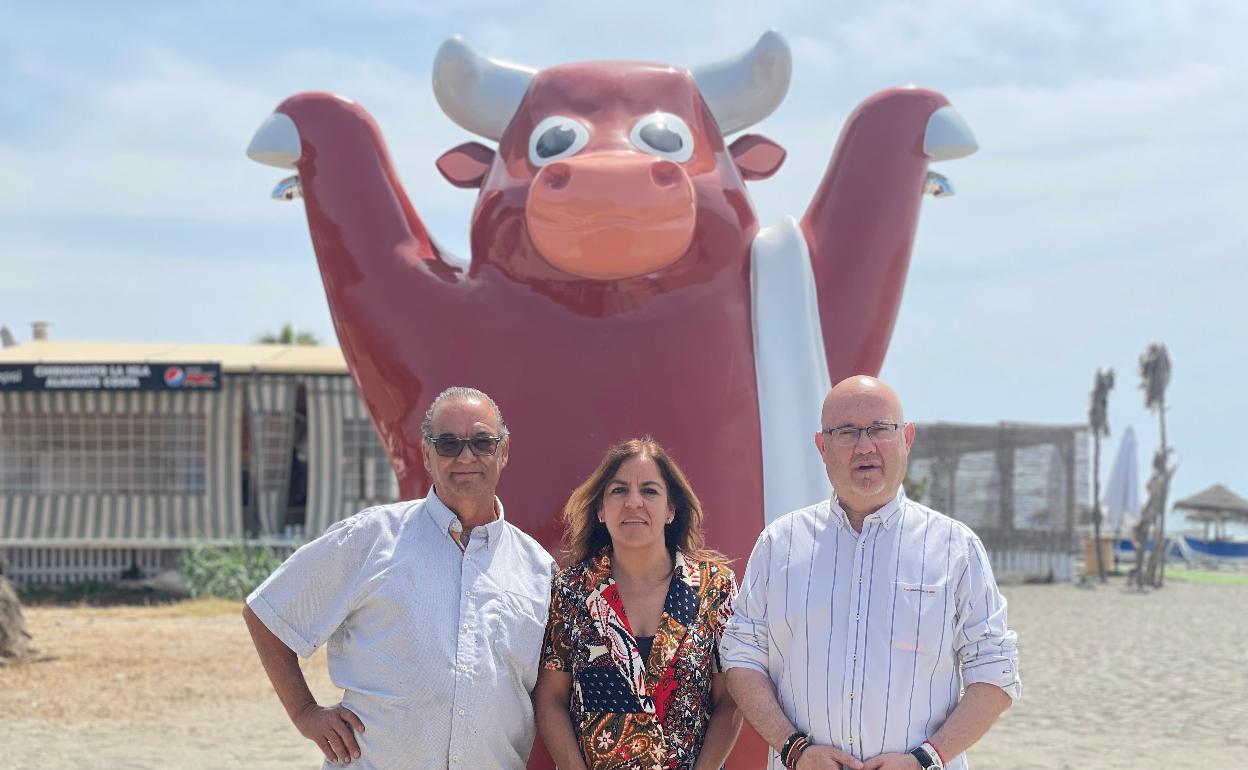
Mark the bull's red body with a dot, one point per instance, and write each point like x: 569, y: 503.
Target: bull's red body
x: 664, y: 347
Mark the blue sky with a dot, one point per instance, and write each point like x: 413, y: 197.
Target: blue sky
x: 1104, y: 210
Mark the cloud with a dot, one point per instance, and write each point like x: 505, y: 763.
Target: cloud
x: 1103, y: 210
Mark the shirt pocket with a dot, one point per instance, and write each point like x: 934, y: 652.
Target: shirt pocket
x: 514, y: 628
x: 920, y: 618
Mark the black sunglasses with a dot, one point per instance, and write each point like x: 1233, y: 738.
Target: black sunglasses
x: 447, y: 445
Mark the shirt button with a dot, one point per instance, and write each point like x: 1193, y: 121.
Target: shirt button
x: 461, y: 712
x: 465, y: 626
x: 454, y: 757
x: 851, y: 697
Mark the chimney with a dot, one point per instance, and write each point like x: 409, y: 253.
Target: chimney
x: 6, y: 337
x: 39, y: 330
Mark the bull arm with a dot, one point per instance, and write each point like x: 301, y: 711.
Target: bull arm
x: 861, y: 223
x: 374, y: 252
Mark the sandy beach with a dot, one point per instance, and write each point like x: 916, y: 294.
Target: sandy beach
x: 1112, y: 679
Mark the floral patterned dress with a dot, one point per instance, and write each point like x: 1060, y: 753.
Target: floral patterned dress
x: 629, y: 713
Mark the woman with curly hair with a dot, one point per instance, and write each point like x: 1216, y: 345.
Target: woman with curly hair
x: 630, y: 676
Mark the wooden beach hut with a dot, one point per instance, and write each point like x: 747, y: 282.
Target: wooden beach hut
x: 1020, y: 486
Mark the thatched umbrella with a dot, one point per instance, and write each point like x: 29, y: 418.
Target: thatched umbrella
x: 1215, y: 505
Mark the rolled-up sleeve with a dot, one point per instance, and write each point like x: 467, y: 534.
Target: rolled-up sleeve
x: 745, y: 641
x: 987, y: 648
x: 305, y: 599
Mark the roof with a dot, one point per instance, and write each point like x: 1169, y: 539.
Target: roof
x: 234, y: 359
x: 1216, y: 499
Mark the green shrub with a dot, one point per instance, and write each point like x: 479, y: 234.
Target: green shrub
x: 227, y: 573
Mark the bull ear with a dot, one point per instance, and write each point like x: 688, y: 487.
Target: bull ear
x: 466, y: 165
x: 756, y: 156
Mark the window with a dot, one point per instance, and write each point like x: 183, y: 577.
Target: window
x: 366, y: 472
x: 47, y: 454
x: 273, y: 438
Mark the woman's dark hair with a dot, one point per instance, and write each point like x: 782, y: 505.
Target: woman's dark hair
x: 584, y: 536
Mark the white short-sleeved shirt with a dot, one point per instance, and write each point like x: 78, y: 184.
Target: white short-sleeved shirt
x: 436, y: 648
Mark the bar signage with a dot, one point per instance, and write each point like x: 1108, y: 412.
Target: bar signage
x: 110, y: 376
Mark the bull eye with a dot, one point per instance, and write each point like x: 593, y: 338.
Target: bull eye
x: 556, y: 137
x: 664, y: 135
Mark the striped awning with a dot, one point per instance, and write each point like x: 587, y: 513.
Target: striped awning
x: 213, y: 516
x: 347, y: 468
x: 271, y: 415
x: 334, y: 405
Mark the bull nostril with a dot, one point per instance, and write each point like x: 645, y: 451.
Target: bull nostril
x: 665, y: 173
x: 556, y: 175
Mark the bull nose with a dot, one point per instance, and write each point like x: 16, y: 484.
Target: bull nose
x: 665, y: 173
x: 611, y: 215
x: 556, y: 175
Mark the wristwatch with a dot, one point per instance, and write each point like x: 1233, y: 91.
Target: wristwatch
x: 929, y: 758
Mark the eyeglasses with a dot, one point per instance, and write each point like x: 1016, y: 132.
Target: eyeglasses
x: 879, y: 433
x: 447, y: 445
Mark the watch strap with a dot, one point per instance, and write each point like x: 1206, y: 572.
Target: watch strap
x: 926, y: 759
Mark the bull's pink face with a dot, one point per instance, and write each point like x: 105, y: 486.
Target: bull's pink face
x: 611, y: 171
x: 611, y: 194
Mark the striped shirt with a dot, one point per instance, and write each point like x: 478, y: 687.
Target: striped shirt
x: 436, y: 648
x: 869, y: 638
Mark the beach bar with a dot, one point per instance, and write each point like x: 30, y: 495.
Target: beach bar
x: 1020, y: 486
x: 114, y: 457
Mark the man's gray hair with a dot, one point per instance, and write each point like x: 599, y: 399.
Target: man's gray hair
x: 461, y: 393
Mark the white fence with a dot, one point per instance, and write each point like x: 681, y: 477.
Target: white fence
x: 58, y: 566
x: 1015, y: 565
x: 62, y: 566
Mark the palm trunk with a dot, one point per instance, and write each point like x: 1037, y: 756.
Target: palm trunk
x: 1096, y: 504
x: 1157, y: 569
x: 1141, y: 540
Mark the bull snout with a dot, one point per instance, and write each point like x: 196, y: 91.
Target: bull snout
x: 611, y: 215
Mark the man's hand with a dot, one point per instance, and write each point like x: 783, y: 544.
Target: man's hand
x: 332, y: 730
x: 826, y: 758
x: 892, y: 762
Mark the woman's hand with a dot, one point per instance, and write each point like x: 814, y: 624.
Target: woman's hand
x: 333, y: 731
x: 550, y: 707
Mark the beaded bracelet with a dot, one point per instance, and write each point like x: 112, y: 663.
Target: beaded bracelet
x: 795, y: 753
x: 793, y: 748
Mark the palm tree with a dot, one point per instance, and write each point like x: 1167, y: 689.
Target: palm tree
x: 1099, y: 422
x: 1154, y: 379
x: 288, y: 336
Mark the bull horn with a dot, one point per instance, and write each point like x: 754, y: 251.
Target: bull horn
x: 743, y: 90
x: 479, y: 93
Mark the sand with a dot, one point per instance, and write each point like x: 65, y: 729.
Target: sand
x: 1111, y: 679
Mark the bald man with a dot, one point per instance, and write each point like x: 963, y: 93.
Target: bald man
x: 869, y: 631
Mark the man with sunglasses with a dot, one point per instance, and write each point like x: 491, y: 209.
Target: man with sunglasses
x: 434, y: 611
x: 862, y: 619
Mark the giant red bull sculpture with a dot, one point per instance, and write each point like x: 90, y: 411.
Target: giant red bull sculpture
x: 619, y: 282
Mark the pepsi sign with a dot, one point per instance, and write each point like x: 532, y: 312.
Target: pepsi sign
x: 110, y: 377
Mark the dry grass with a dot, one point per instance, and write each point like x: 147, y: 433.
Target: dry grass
x: 149, y: 661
